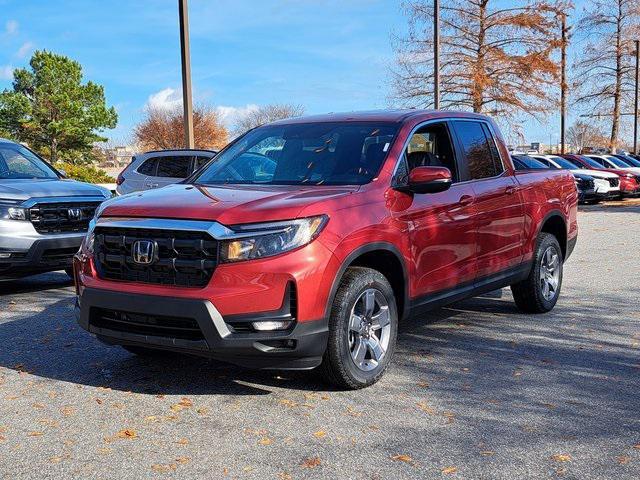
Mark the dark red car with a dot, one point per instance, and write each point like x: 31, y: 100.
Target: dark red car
x: 308, y: 241
x: 629, y: 183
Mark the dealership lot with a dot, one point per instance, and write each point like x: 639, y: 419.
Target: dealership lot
x: 480, y: 391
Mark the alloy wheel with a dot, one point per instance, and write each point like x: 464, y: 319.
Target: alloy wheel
x: 369, y: 329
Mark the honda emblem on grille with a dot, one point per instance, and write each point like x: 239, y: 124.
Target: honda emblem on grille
x: 144, y: 252
x: 74, y: 213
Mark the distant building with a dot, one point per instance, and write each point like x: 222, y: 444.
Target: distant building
x: 118, y: 157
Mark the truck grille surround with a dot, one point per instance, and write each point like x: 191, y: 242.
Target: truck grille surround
x: 182, y: 258
x: 62, y: 217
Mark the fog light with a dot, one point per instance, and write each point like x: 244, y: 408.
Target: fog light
x: 271, y: 325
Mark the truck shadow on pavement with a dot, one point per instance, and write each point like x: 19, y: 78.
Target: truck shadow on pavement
x: 480, y: 354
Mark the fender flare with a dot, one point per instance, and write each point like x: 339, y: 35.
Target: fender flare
x: 564, y: 243
x: 389, y: 247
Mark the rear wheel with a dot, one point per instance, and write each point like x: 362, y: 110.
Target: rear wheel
x: 363, y: 328
x: 539, y: 292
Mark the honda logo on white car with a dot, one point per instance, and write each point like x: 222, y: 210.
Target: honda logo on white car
x: 144, y: 252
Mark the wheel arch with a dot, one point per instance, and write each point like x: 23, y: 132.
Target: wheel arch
x: 555, y: 224
x: 385, y: 258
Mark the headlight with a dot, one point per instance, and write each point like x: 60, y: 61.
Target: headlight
x: 261, y: 240
x: 629, y: 175
x: 87, y: 242
x: 9, y: 210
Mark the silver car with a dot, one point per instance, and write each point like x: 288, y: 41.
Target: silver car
x: 160, y: 168
x: 43, y: 216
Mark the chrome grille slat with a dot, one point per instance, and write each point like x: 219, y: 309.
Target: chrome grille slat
x: 55, y: 218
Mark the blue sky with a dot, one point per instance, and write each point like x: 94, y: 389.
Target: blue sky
x: 328, y: 55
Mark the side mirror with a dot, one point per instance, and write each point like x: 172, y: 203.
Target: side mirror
x: 63, y: 173
x: 429, y: 179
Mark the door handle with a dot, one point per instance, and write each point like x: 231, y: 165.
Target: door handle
x: 510, y: 190
x: 465, y: 200
x: 152, y: 185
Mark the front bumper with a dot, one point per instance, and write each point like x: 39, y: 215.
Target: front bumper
x: 30, y: 252
x: 299, y: 348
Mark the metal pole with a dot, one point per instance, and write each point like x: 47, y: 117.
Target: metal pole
x: 436, y: 54
x: 635, y: 107
x: 563, y: 86
x: 186, y: 74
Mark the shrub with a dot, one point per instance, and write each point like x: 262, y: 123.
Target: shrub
x: 85, y: 173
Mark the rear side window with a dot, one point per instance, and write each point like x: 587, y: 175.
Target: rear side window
x: 173, y: 167
x: 148, y: 167
x: 480, y: 158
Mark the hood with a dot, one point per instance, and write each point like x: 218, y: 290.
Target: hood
x: 226, y: 204
x: 634, y: 170
x: 24, y: 189
x: 598, y: 173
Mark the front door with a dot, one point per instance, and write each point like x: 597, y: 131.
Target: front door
x: 441, y: 225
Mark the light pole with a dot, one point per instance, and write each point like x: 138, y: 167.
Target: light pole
x: 563, y: 86
x: 635, y: 107
x: 436, y: 54
x: 183, y: 9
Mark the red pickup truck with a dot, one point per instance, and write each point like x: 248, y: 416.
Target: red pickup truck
x: 306, y: 242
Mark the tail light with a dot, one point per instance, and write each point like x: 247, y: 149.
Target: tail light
x: 120, y: 179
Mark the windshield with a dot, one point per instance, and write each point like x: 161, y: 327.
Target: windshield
x: 632, y: 161
x: 303, y: 154
x: 592, y: 163
x: 530, y: 163
x: 564, y: 163
x: 17, y: 161
x: 620, y: 162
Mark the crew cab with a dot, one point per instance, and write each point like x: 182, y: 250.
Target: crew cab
x: 308, y: 241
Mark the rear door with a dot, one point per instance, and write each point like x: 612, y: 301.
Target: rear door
x: 499, y: 214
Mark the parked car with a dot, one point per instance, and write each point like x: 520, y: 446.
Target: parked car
x: 607, y: 183
x: 43, y: 216
x: 341, y: 226
x: 159, y: 168
x: 629, y: 182
x: 585, y: 184
x: 614, y: 162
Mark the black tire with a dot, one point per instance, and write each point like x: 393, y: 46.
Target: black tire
x: 338, y: 367
x: 528, y: 294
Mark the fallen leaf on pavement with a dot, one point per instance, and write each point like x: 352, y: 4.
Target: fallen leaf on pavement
x: 163, y: 468
x: 623, y: 459
x: 127, y: 433
x: 183, y: 460
x: 449, y: 470
x: 320, y: 434
x: 311, y: 462
x: 561, y: 457
x: 426, y: 408
x: 35, y: 434
x: 402, y: 458
x: 265, y: 441
x: 183, y: 441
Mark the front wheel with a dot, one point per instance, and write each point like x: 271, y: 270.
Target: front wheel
x: 539, y: 292
x: 363, y: 328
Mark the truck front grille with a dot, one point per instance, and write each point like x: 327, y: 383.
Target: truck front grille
x: 154, y: 325
x: 181, y: 258
x: 62, y: 217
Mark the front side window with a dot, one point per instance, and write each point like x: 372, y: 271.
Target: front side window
x: 429, y: 146
x: 476, y: 150
x: 324, y: 153
x: 19, y: 162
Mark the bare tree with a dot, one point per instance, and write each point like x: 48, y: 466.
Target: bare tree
x: 162, y: 129
x: 583, y: 136
x: 494, y: 58
x: 266, y: 114
x: 604, y: 72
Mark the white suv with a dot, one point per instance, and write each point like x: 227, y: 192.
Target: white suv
x: 159, y: 168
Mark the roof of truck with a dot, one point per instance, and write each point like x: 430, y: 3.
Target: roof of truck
x: 394, y: 116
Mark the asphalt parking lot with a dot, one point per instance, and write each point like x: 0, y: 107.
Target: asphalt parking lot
x: 477, y: 390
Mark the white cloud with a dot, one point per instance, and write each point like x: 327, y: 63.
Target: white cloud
x: 11, y: 27
x: 24, y: 50
x: 6, y: 72
x: 230, y: 115
x: 166, y: 99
